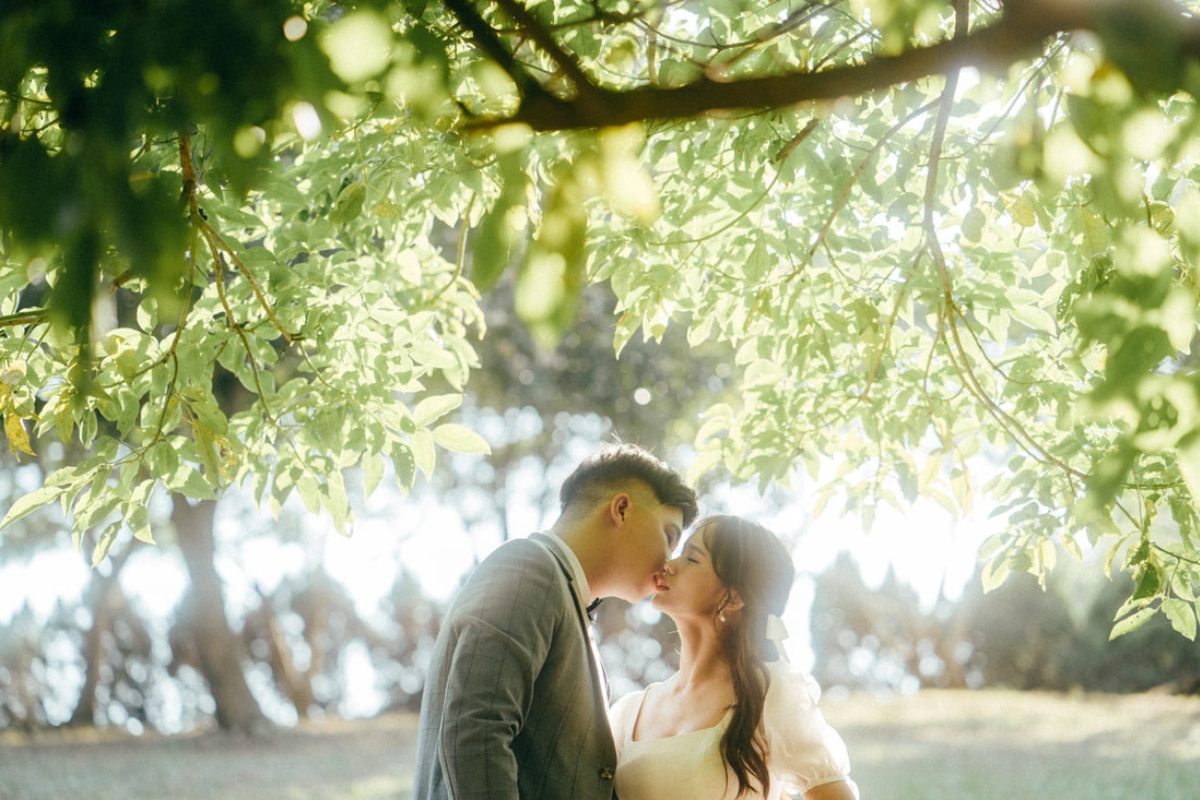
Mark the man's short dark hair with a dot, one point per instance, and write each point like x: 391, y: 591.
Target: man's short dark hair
x: 613, y: 465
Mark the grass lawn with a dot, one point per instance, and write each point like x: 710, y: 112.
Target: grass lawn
x: 932, y: 746
x: 997, y: 745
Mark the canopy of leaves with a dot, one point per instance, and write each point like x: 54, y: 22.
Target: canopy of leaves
x: 930, y: 230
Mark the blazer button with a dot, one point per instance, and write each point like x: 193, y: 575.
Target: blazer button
x: 606, y: 774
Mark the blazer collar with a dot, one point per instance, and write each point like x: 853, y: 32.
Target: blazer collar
x: 570, y: 566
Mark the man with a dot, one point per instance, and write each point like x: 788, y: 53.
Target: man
x: 514, y: 704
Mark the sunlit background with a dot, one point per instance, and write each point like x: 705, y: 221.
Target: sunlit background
x: 343, y: 626
x: 432, y: 544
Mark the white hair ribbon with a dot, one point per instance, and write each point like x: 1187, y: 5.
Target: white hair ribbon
x: 776, y: 633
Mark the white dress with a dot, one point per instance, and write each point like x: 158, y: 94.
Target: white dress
x: 803, y: 750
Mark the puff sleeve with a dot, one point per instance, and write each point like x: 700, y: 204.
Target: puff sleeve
x: 804, y: 750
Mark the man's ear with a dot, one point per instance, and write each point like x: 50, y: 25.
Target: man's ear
x: 618, y: 507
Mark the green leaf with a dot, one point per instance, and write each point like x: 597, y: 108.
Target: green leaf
x: 1182, y: 615
x: 703, y: 462
x: 762, y: 372
x: 336, y: 502
x: 460, y: 439
x: 405, y: 466
x: 105, y: 542
x: 372, y: 466
x: 1131, y: 623
x: 996, y: 573
x: 760, y: 262
x: 349, y: 204
x: 206, y: 445
x: 422, y: 444
x: 94, y: 509
x: 972, y: 224
x: 1148, y: 582
x: 429, y: 354
x: 1188, y: 457
x: 310, y: 493
x: 990, y: 546
x: 27, y: 504
x: 496, y: 236
x: 1095, y: 233
x: 433, y: 408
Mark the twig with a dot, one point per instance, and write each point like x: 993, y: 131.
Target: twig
x: 795, y: 141
x: 231, y: 320
x: 845, y: 196
x: 288, y: 336
x: 461, y: 254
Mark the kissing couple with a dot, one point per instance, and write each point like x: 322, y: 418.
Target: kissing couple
x: 515, y: 703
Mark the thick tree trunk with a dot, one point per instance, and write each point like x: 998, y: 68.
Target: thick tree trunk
x: 296, y: 685
x: 104, y: 595
x: 218, y: 650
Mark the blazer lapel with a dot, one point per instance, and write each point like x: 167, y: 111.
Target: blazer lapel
x: 599, y: 675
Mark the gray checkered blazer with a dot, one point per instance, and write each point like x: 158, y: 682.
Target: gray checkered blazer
x: 513, y: 705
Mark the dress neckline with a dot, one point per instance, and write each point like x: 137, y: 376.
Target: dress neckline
x: 637, y: 717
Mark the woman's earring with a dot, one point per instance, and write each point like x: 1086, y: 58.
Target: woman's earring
x: 722, y: 616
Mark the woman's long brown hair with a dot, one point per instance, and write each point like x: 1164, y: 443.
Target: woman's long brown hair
x: 752, y: 561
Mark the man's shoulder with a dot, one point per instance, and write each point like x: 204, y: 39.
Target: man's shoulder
x: 532, y: 548
x: 518, y: 572
x: 528, y: 558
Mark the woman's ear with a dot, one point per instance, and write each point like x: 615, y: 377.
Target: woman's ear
x: 733, y: 601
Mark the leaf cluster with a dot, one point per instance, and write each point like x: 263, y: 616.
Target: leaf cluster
x: 937, y: 235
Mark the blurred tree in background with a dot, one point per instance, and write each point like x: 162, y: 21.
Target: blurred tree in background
x: 1019, y: 636
x: 243, y: 245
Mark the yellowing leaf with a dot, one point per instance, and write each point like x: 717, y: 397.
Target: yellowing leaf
x: 18, y: 439
x: 10, y: 376
x: 1021, y: 213
x: 1095, y: 233
x: 13, y: 374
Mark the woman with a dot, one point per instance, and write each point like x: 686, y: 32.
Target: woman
x: 728, y: 724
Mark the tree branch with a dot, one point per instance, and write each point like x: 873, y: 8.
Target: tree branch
x: 536, y: 31
x: 1019, y: 32
x: 489, y: 40
x: 24, y: 318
